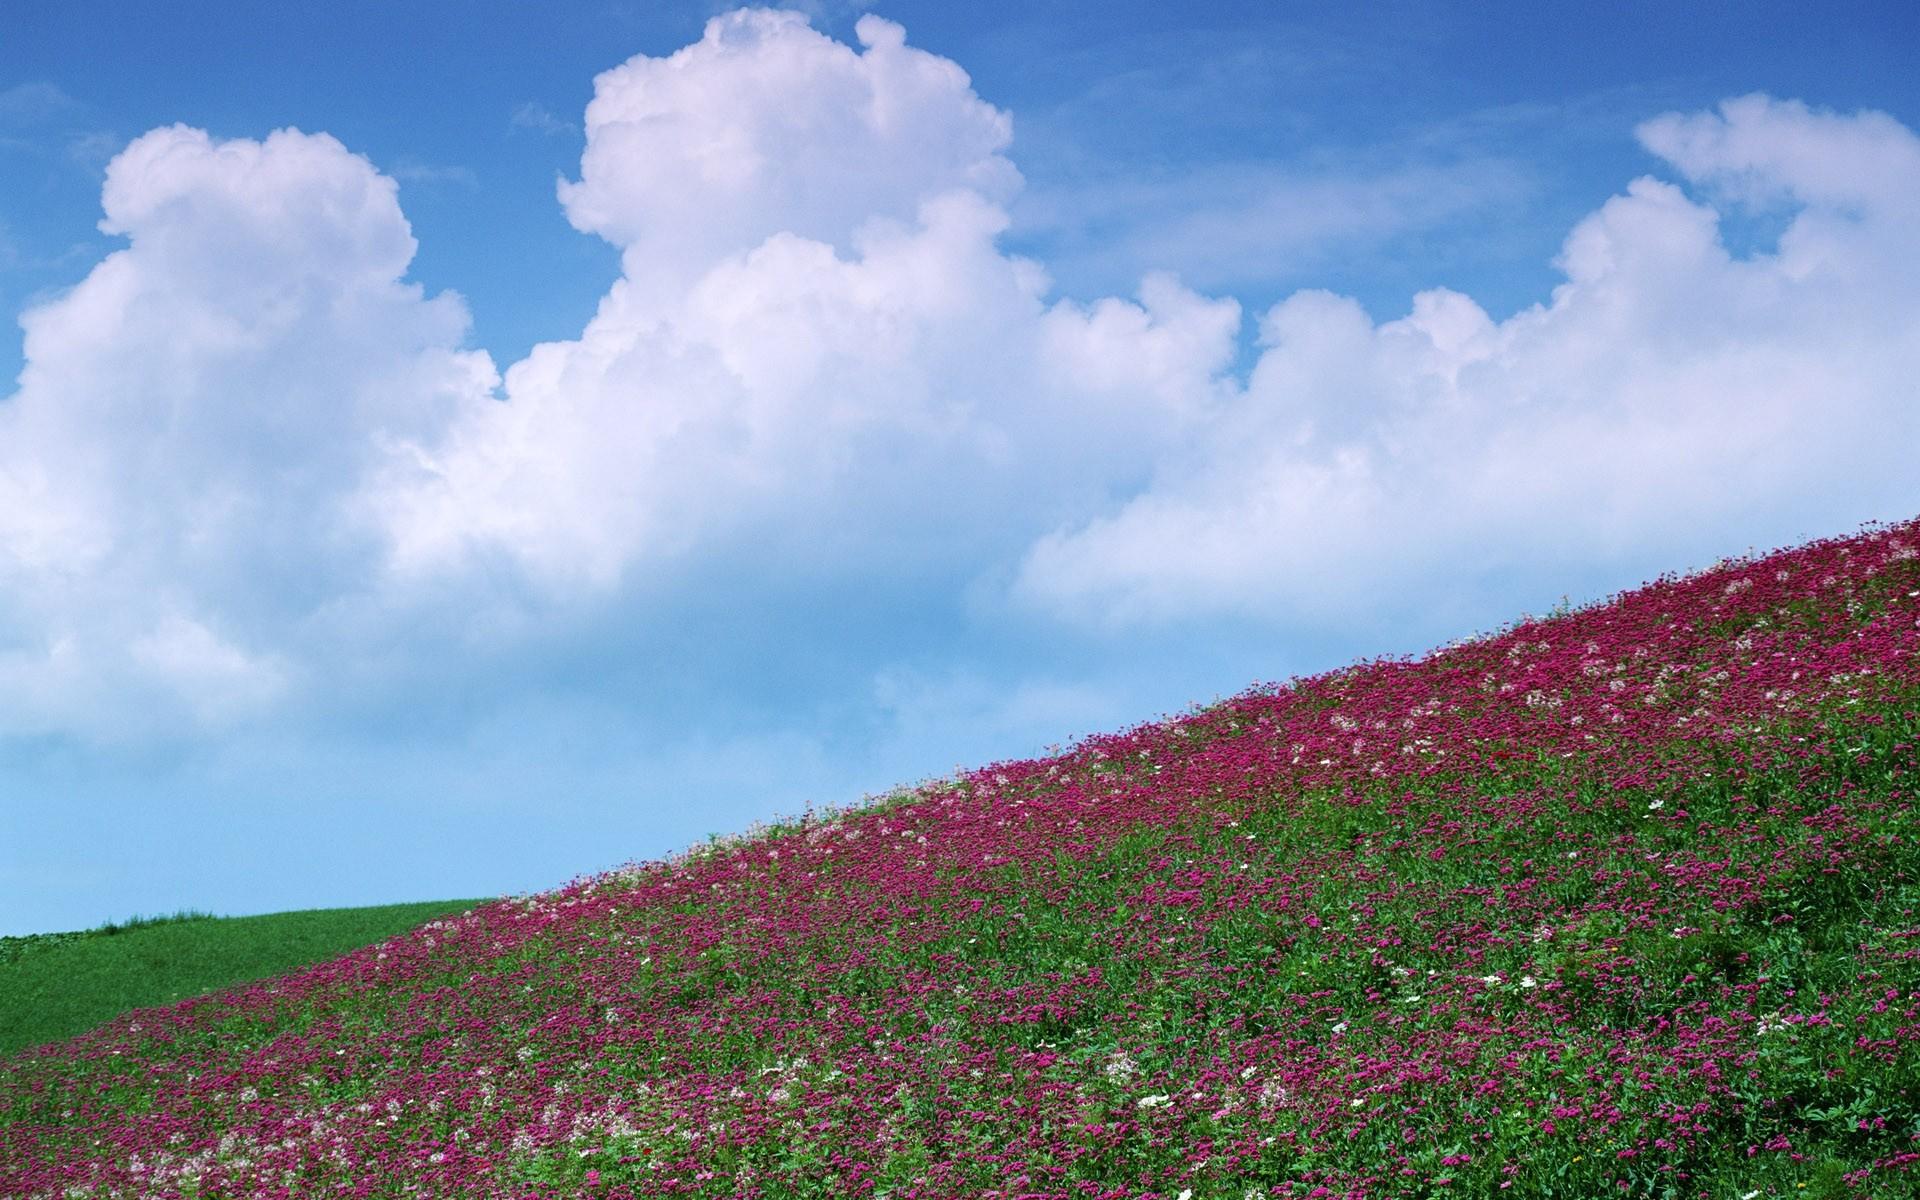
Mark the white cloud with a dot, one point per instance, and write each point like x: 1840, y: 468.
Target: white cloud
x: 918, y: 390
x: 765, y: 126
x: 839, y: 350
x: 245, y: 437
x: 190, y: 420
x: 246, y: 458
x: 219, y: 681
x: 1667, y: 388
x: 1761, y: 149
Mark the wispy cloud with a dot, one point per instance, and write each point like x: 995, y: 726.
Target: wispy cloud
x: 93, y: 150
x: 48, y: 123
x: 36, y: 103
x: 1234, y: 224
x: 411, y: 171
x: 541, y: 119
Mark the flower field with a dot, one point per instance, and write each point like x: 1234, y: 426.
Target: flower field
x: 1617, y: 903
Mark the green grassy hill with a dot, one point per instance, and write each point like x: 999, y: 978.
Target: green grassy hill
x: 56, y: 985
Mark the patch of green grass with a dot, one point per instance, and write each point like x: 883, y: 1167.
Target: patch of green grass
x: 54, y: 986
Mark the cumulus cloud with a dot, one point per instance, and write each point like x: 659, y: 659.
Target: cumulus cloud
x: 766, y: 126
x: 191, y: 421
x: 815, y: 331
x: 1667, y: 388
x: 244, y: 441
x: 245, y: 454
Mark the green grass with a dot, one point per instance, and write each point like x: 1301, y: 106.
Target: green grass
x: 56, y: 985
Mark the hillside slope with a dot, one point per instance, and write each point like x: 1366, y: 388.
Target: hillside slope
x: 1622, y: 902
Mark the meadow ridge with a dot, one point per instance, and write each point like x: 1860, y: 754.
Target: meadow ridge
x: 1618, y: 902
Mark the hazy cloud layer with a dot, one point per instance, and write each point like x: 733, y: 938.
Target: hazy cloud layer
x: 246, y: 458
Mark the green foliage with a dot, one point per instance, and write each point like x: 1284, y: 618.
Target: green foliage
x: 54, y: 986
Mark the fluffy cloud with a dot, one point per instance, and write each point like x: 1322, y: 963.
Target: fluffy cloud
x: 815, y: 335
x: 243, y: 443
x: 765, y: 126
x: 246, y: 457
x: 1667, y: 391
x: 192, y: 421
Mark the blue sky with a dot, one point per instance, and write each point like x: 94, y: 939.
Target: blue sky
x: 917, y: 386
